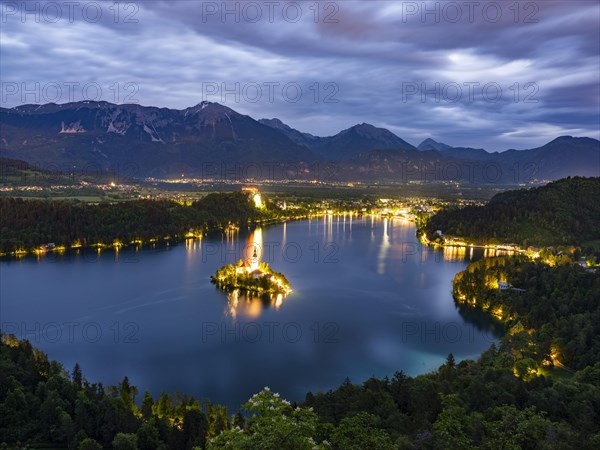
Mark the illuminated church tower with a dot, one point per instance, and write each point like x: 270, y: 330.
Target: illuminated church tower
x: 255, y: 243
x: 254, y: 261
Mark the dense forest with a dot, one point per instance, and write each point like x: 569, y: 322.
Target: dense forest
x: 538, y: 389
x: 551, y: 313
x: 565, y: 212
x: 26, y: 224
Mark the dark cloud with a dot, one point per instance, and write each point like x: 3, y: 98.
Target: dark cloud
x: 353, y: 61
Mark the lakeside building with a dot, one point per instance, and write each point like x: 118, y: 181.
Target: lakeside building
x: 503, y: 286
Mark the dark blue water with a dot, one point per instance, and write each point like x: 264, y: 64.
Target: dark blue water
x: 368, y: 300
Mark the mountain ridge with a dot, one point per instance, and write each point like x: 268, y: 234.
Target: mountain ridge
x: 164, y: 141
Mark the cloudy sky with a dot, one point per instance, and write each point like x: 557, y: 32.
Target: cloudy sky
x: 496, y: 75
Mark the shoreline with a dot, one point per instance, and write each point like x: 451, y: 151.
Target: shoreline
x: 506, y: 248
x: 197, y: 234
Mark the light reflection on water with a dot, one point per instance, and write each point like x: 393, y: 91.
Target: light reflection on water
x: 368, y: 300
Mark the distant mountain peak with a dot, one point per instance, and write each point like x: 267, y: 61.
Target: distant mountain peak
x: 347, y: 143
x: 210, y: 112
x: 275, y: 123
x: 430, y: 144
x: 206, y: 104
x: 368, y: 130
x: 428, y: 141
x: 569, y: 139
x: 367, y: 127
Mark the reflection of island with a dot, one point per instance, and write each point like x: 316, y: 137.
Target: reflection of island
x: 250, y: 305
x: 252, y: 275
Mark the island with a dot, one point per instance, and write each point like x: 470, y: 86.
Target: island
x: 251, y: 276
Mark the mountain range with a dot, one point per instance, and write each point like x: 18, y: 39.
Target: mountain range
x: 164, y: 142
x: 344, y: 145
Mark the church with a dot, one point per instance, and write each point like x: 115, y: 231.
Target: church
x: 251, y: 265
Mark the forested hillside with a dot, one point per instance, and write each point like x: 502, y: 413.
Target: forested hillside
x: 552, y: 313
x: 565, y: 212
x: 25, y: 224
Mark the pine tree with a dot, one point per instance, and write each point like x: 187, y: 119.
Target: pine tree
x: 147, y: 405
x: 77, y: 376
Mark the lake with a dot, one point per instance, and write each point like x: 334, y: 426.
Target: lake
x: 367, y: 300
